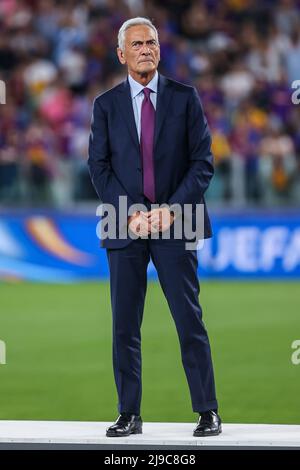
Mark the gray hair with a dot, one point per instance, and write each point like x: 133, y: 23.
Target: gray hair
x: 133, y: 22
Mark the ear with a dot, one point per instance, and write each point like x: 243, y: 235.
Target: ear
x: 121, y: 56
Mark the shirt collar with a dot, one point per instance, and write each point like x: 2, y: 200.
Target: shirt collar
x: 136, y: 87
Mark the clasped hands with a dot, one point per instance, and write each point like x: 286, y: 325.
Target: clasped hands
x: 157, y: 220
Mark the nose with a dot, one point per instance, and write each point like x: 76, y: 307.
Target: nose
x: 147, y: 49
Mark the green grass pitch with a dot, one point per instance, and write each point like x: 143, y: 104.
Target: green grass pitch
x: 59, y: 361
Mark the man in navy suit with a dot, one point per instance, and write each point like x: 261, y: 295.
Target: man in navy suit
x: 150, y: 144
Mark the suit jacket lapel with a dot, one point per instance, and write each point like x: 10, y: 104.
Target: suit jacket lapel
x: 164, y: 93
x: 124, y: 101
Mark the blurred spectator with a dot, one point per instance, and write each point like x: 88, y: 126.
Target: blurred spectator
x: 292, y: 61
x: 277, y: 164
x: 241, y: 55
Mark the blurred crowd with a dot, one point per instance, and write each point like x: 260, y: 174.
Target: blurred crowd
x: 243, y: 56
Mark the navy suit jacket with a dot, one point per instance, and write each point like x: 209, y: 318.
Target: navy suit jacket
x: 182, y: 149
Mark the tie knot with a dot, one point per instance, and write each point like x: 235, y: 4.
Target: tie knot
x: 147, y: 92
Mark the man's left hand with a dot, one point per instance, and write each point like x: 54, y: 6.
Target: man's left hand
x: 160, y: 219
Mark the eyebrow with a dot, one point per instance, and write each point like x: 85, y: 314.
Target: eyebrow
x: 139, y: 40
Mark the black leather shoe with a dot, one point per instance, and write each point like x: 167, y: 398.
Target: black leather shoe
x: 209, y: 424
x: 125, y: 425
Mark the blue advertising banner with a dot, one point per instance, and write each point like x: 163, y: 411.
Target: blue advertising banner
x: 247, y: 245
x: 56, y: 247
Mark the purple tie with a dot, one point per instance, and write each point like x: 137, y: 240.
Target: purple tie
x: 147, y: 136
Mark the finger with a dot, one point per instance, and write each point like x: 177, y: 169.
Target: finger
x: 154, y: 218
x: 154, y: 211
x: 154, y: 228
x: 144, y: 215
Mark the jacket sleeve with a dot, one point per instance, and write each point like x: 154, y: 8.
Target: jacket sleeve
x: 201, y: 169
x: 104, y: 180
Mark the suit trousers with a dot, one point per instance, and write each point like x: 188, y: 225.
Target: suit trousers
x: 177, y: 272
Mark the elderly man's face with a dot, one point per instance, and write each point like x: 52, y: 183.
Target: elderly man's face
x: 141, y: 52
